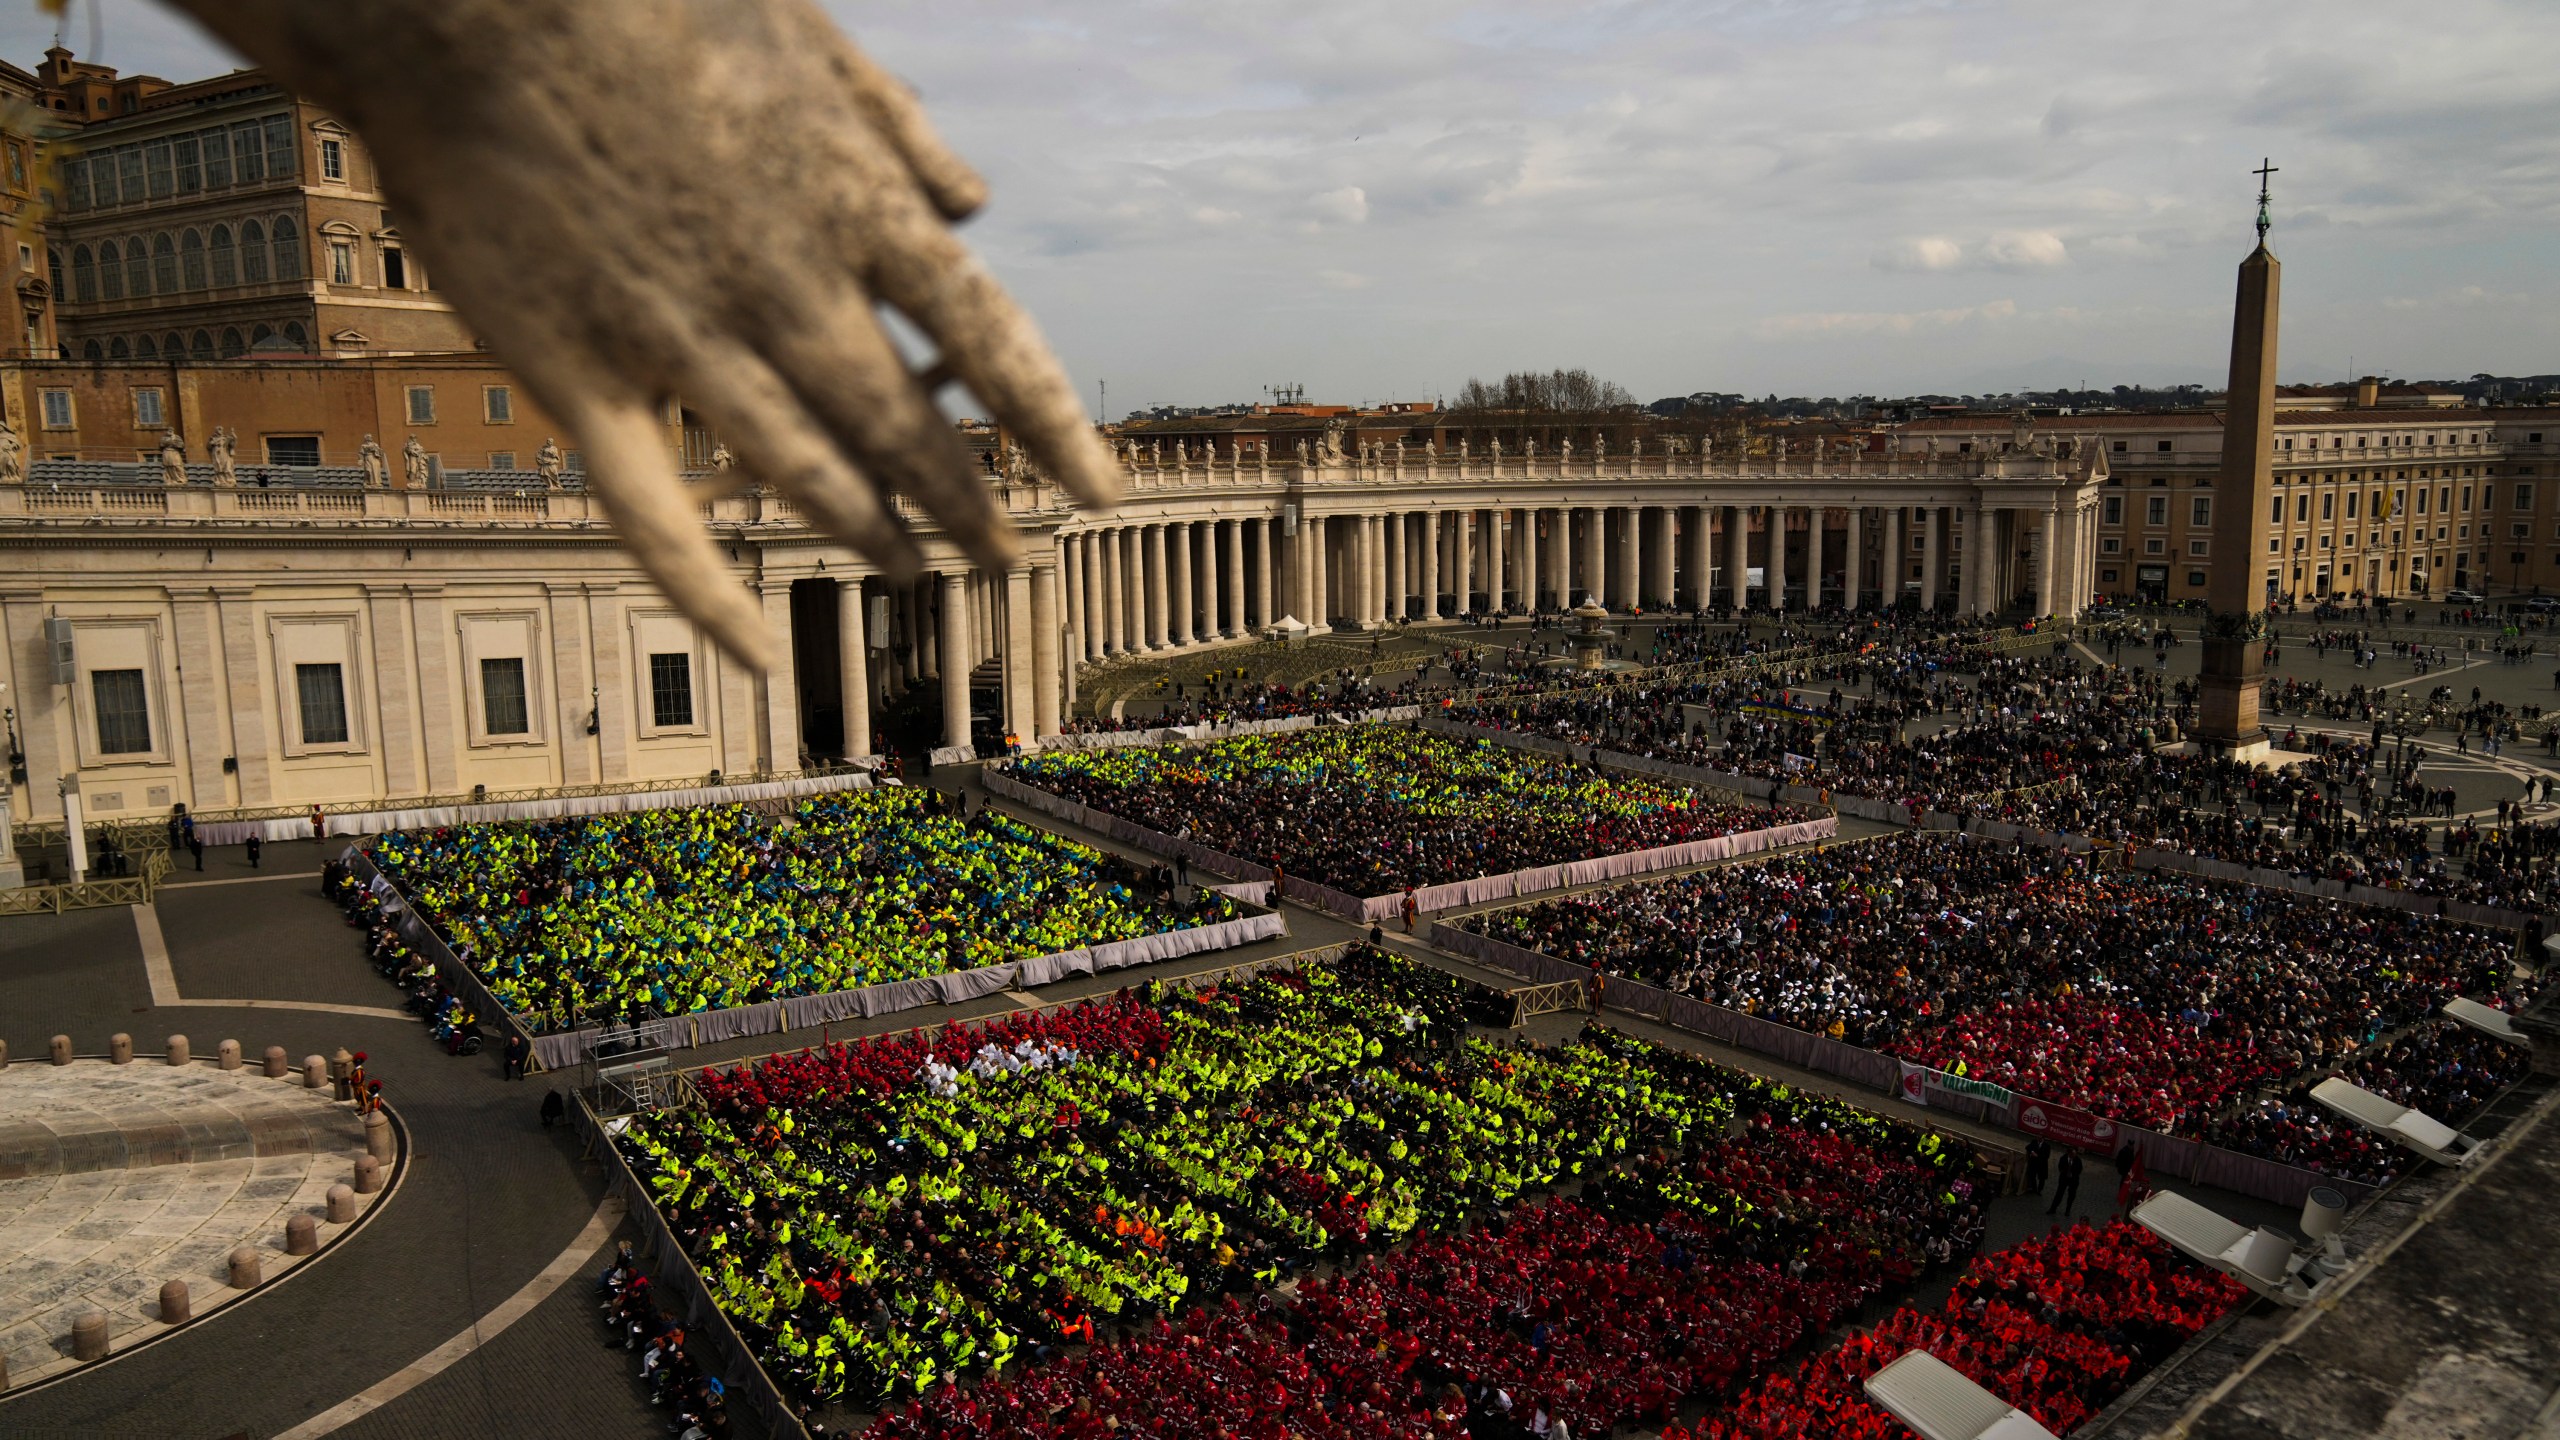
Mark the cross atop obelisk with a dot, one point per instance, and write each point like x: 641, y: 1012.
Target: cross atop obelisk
x: 2239, y: 585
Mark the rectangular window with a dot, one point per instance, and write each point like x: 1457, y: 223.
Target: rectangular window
x: 395, y: 268
x: 498, y: 404
x: 2197, y: 547
x: 342, y: 262
x: 2524, y: 497
x: 124, y: 714
x: 57, y: 409
x: 2155, y: 546
x: 2329, y: 505
x: 129, y: 173
x: 75, y: 184
x: 146, y: 409
x: 671, y: 690
x: 422, y: 404
x: 217, y: 158
x: 2302, y: 506
x: 2200, y: 511
x: 502, y: 710
x: 2422, y: 502
x: 2275, y: 511
x: 2164, y: 447
x: 2466, y: 499
x: 2352, y: 497
x: 323, y: 692
x: 190, y: 165
x: 2157, y: 512
x: 2119, y: 447
x: 301, y: 450
x: 502, y: 459
x: 2115, y: 510
x: 160, y: 176
x: 280, y: 147
x: 248, y: 153
x: 333, y: 160
x: 2444, y: 501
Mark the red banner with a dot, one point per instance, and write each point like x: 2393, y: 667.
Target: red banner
x: 2076, y: 1128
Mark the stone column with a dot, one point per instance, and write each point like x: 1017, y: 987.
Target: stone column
x: 1262, y: 529
x: 2045, y: 538
x: 1702, y: 554
x: 1892, y: 561
x: 1852, y: 554
x: 1322, y: 552
x: 1178, y: 546
x: 1560, y: 557
x: 1737, y: 553
x: 1462, y: 560
x: 1984, y: 563
x: 1663, y: 580
x: 1157, y: 603
x: 1399, y: 584
x: 1489, y: 525
x: 1381, y: 579
x: 955, y: 673
x: 1115, y: 598
x: 1630, y: 548
x: 1046, y: 674
x: 853, y: 668
x: 1229, y: 538
x: 1593, y: 562
x: 1527, y: 543
x: 1813, y: 557
x: 1929, y: 520
x: 1431, y: 564
x: 1023, y: 673
x: 1775, y: 574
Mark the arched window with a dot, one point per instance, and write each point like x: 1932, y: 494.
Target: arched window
x: 258, y: 333
x: 253, y: 252
x: 288, y: 250
x: 191, y: 259
x: 293, y: 331
x: 226, y: 261
x: 110, y: 272
x: 145, y: 348
x: 84, y: 273
x: 117, y: 349
x: 137, y: 268
x: 89, y: 351
x: 200, y: 345
x: 233, y: 347
x: 174, y: 345
x: 164, y: 265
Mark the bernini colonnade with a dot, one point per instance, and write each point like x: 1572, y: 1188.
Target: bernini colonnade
x: 266, y: 648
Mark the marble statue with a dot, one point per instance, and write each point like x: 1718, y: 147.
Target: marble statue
x: 222, y: 448
x: 549, y: 463
x: 413, y: 463
x: 377, y: 473
x: 723, y: 464
x: 544, y: 226
x: 1305, y: 452
x: 1599, y: 448
x: 173, y: 458
x: 13, y: 455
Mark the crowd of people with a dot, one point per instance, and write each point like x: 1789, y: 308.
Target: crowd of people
x: 2439, y: 1067
x: 2148, y: 997
x: 676, y: 1379
x: 1134, y: 1177
x: 1374, y: 809
x: 2058, y: 1327
x: 671, y: 912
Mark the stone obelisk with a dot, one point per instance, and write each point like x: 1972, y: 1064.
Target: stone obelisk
x: 2235, y: 628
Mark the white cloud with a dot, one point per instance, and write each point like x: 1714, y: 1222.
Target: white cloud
x: 1346, y: 206
x: 1871, y: 322
x: 1920, y: 252
x: 2024, y: 250
x: 1341, y: 280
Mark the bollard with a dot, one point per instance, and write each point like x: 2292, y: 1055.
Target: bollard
x: 368, y: 1175
x: 61, y: 1049
x: 341, y: 1065
x: 179, y: 1052
x: 379, y: 1141
x: 244, y: 1268
x: 302, y: 1234
x: 4, y: 1054
x: 342, y: 1204
x: 89, y: 1336
x: 120, y: 1048
x: 315, y: 1072
x: 228, y: 1052
x: 176, y: 1308
x: 276, y: 1066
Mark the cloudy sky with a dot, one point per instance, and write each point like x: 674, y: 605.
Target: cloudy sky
x: 1799, y: 196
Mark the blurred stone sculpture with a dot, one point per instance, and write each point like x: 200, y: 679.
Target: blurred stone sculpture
x: 13, y: 455
x: 549, y: 463
x: 377, y: 472
x: 173, y: 458
x: 222, y: 448
x: 523, y: 147
x: 413, y: 463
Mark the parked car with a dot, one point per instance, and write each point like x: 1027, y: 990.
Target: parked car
x: 2464, y: 597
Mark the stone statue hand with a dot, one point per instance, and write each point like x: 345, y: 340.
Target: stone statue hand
x: 634, y: 201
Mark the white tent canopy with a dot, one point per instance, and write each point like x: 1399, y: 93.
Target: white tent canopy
x: 1934, y: 1398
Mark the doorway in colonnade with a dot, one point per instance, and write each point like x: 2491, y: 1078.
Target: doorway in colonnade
x: 817, y: 669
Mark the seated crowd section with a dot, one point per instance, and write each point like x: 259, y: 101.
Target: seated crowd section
x: 2146, y: 997
x: 1045, y: 1224
x: 672, y: 912
x: 1372, y: 809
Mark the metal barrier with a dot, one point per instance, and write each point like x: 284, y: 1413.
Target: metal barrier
x: 90, y: 894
